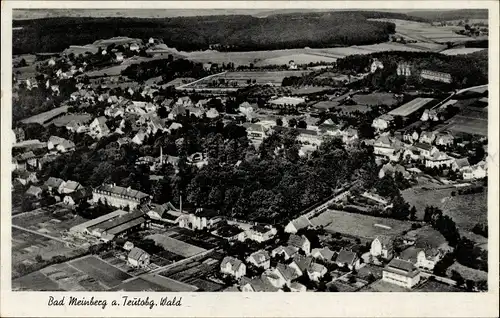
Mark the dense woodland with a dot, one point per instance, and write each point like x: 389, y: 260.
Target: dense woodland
x: 232, y: 33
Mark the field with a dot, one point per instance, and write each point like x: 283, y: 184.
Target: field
x: 435, y: 286
x: 424, y: 32
x: 469, y: 125
x: 467, y: 272
x: 358, y: 225
x: 175, y: 246
x: 101, y: 271
x: 306, y: 90
x: 382, y: 286
x: 342, y: 108
x: 427, y: 235
x: 458, y: 51
x: 375, y: 99
x: 46, y: 116
x: 66, y: 119
x: 298, y: 59
x: 116, y: 70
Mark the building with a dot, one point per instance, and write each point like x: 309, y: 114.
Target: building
x: 233, y: 267
x: 281, y: 275
x: 460, y: 164
x: 119, y: 197
x: 69, y: 187
x: 347, y: 258
x: 98, y: 127
x: 384, y: 146
x: 35, y: 192
x: 286, y: 251
x: 138, y: 258
x: 401, y: 273
x: 309, y: 137
x: 77, y: 197
x: 259, y: 284
x: 436, y: 76
x: 25, y: 161
x: 382, y: 246
x: 300, y: 242
x: 299, y: 223
x: 54, y: 184
x: 60, y: 144
x: 260, y: 258
x: 427, y: 137
x: 410, y: 136
x: 297, y: 287
x: 477, y: 171
x: 424, y: 258
x: 86, y: 227
x: 26, y: 177
x: 391, y: 169
x: 260, y: 233
x: 411, y: 107
x: 200, y: 219
x: 382, y: 122
x: 376, y: 65
x: 287, y: 102
x: 444, y: 139
x: 403, y: 69
x: 255, y: 131
x: 324, y: 254
x: 425, y: 150
x: 316, y: 272
x: 439, y: 159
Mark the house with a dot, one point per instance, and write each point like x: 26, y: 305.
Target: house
x: 436, y: 76
x: 114, y: 111
x: 349, y: 135
x: 65, y: 146
x: 184, y: 101
x: 233, y: 267
x: 60, y: 144
x: 255, y: 131
x: 77, y: 196
x: 194, y: 111
x: 54, y: 184
x: 246, y: 109
x: 401, y: 273
x: 24, y: 161
x: 69, y: 186
x: 177, y: 110
x: 382, y: 122
x: 382, y: 246
x: 427, y: 137
x: 439, y: 159
x: 76, y: 126
x: 203, y: 218
x: 26, y: 177
x: 460, y: 164
x: 98, y: 127
x: 325, y: 254
x: 297, y: 287
x: 260, y: 258
x: 212, y: 113
x: 376, y: 65
x: 410, y: 136
x: 138, y: 258
x: 299, y: 223
x: 429, y: 114
x: 119, y: 196
x: 287, y: 251
x: 140, y: 137
x: 287, y: 102
x: 424, y: 258
x: 229, y: 232
x: 309, y: 137
x: 347, y: 258
x: 425, y: 150
x: 260, y: 233
x: 300, y: 242
x: 384, y: 146
x: 316, y: 272
x: 34, y: 192
x: 259, y: 284
x: 281, y: 275
x: 156, y: 124
x: 300, y: 264
x: 444, y: 139
x: 477, y: 171
x: 123, y: 141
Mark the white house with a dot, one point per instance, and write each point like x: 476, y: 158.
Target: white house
x: 439, y: 159
x: 297, y: 224
x: 376, y: 65
x: 316, y: 272
x: 424, y: 258
x: 138, y: 258
x: 261, y: 233
x: 300, y: 264
x: 233, y: 267
x: 347, y: 258
x: 300, y: 242
x: 444, y: 139
x: 287, y: 251
x: 325, y: 253
x: 477, y: 171
x: 98, y: 127
x: 260, y: 259
x: 382, y: 122
x: 427, y: 137
x: 382, y: 246
x: 401, y: 273
x: 425, y: 150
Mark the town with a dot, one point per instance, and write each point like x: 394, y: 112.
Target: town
x: 139, y: 167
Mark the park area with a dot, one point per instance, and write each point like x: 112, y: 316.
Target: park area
x: 359, y: 225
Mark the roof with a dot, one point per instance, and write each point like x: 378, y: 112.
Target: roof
x: 54, y: 182
x: 72, y: 185
x: 254, y: 127
x: 286, y: 271
x: 33, y: 190
x: 56, y: 140
x: 410, y: 107
x: 288, y: 101
x: 261, y: 284
x: 297, y: 286
x: 301, y: 222
x: 136, y: 253
x: 234, y: 262
x: 68, y: 144
x: 402, y: 267
x: 462, y: 163
x: 325, y: 252
x: 302, y: 262
x: 79, y: 194
x: 121, y: 191
x: 316, y: 268
x: 423, y: 146
x: 133, y: 222
x: 260, y: 256
x: 261, y: 229
x: 346, y: 257
x: 25, y: 156
x: 297, y: 241
x: 385, y: 240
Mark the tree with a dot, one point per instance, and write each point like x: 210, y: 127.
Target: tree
x: 279, y: 122
x: 292, y: 122
x: 302, y: 124
x: 413, y: 213
x: 457, y: 277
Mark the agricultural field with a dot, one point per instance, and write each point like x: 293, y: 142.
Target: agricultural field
x: 241, y: 79
x: 358, y: 225
x: 467, y: 272
x: 306, y: 90
x: 425, y: 32
x: 101, y: 271
x: 35, y: 281
x: 458, y: 51
x: 469, y: 124
x: 45, y: 116
x: 334, y: 105
x: 298, y: 59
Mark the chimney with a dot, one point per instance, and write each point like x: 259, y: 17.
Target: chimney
x: 180, y: 199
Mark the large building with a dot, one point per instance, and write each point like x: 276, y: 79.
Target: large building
x: 436, y: 76
x: 286, y: 101
x: 119, y: 197
x: 410, y: 107
x: 402, y: 273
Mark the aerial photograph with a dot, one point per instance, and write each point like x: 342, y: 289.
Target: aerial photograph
x: 249, y: 150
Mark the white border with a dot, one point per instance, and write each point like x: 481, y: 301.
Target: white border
x: 259, y: 304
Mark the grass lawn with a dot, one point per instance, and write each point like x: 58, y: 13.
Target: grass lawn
x: 467, y: 272
x: 363, y: 226
x: 35, y: 281
x: 100, y: 270
x: 375, y: 99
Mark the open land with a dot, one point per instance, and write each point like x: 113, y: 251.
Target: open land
x: 46, y: 116
x: 362, y: 226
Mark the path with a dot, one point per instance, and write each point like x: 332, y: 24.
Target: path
x: 41, y: 234
x: 201, y: 79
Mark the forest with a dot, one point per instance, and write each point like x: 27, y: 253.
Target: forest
x: 230, y: 33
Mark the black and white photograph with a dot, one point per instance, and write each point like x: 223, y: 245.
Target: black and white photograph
x: 250, y: 150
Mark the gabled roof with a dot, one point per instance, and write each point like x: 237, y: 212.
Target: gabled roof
x: 423, y: 146
x: 346, y: 257
x: 302, y: 262
x: 136, y: 253
x: 260, y: 256
x: 386, y: 241
x: 54, y: 182
x: 80, y: 194
x: 234, y: 262
x: 462, y: 163
x: 34, y: 190
x: 72, y: 185
x: 67, y: 144
x: 121, y: 191
x: 260, y: 284
x: 325, y: 253
x: 286, y: 271
x: 25, y: 156
x: 297, y: 241
x: 316, y: 268
x: 301, y: 222
x: 402, y: 267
